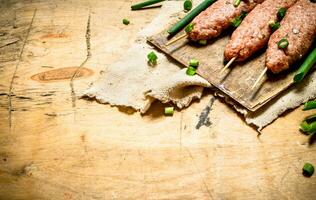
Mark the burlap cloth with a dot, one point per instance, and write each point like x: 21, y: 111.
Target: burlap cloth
x: 131, y: 82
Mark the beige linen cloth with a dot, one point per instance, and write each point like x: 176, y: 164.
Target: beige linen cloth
x: 131, y: 82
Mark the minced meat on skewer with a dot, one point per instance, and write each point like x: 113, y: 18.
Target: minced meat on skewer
x: 298, y: 28
x: 254, y: 32
x: 216, y: 18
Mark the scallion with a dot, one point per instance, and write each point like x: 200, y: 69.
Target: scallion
x: 304, y: 126
x: 126, y: 21
x: 283, y: 43
x: 308, y: 169
x: 189, y: 17
x: 305, y: 67
x: 187, y: 5
x: 311, y: 118
x: 191, y: 71
x: 237, y: 20
x: 203, y: 42
x: 312, y: 128
x: 169, y: 110
x: 274, y: 25
x: 144, y: 4
x: 308, y: 128
x: 236, y: 3
x: 152, y: 58
x: 281, y: 13
x: 189, y: 28
x: 194, y: 63
x: 310, y: 105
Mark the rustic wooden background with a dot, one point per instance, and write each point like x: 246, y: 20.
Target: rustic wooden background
x: 56, y: 146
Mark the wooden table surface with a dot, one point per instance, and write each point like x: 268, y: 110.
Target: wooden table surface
x: 56, y: 146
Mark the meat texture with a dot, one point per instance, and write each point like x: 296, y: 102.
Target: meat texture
x: 216, y: 18
x: 299, y: 28
x: 254, y: 32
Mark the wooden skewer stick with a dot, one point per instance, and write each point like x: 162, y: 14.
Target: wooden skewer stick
x: 259, y: 78
x: 228, y: 64
x: 176, y: 39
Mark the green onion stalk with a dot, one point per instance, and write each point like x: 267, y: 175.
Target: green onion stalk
x: 189, y: 17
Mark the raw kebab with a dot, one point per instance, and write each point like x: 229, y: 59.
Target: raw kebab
x: 216, y: 18
x: 298, y: 29
x: 254, y: 32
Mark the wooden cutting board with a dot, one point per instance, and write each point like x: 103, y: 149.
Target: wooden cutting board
x: 235, y: 82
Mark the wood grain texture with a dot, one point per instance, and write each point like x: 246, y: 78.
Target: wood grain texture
x: 237, y: 81
x: 55, y: 149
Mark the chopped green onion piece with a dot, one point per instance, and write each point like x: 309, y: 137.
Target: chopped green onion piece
x: 310, y: 105
x: 126, y: 21
x: 274, y: 25
x: 308, y: 128
x: 304, y: 126
x: 312, y: 128
x: 308, y: 170
x: 203, y: 42
x: 281, y: 13
x: 305, y: 67
x: 237, y: 2
x: 237, y: 20
x: 152, y: 58
x: 194, y: 63
x: 169, y: 110
x: 311, y: 118
x: 187, y: 5
x: 283, y: 43
x: 191, y: 71
x: 189, y: 28
x: 144, y: 4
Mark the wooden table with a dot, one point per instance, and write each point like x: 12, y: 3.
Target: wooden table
x: 55, y: 146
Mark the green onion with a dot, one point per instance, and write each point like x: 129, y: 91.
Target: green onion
x: 312, y: 128
x: 237, y: 21
x: 310, y: 105
x: 304, y: 126
x: 274, y: 25
x: 189, y: 28
x: 189, y: 17
x: 236, y: 3
x: 126, y: 21
x: 311, y: 118
x: 308, y: 169
x: 203, y: 42
x: 191, y: 71
x: 187, y: 5
x: 305, y: 67
x: 152, y: 58
x: 169, y: 110
x: 283, y: 43
x: 281, y: 13
x: 308, y: 128
x: 194, y: 63
x: 144, y: 4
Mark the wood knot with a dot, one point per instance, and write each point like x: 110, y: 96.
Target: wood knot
x: 53, y: 36
x: 60, y: 74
